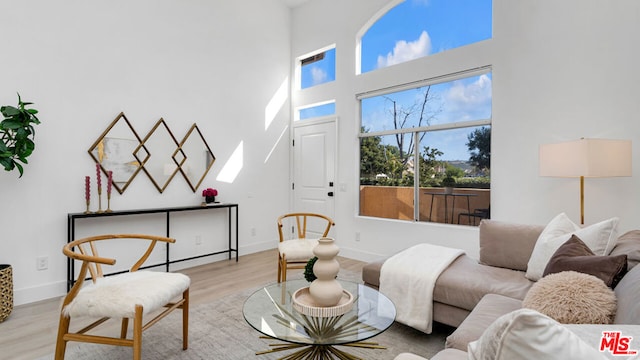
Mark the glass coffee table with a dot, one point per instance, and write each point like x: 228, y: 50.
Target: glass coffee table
x: 270, y: 311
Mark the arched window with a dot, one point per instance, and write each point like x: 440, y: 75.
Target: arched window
x: 418, y: 28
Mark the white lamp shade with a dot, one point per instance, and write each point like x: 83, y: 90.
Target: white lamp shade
x: 586, y: 157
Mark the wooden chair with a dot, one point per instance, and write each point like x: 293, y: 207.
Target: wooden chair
x: 295, y: 253
x: 131, y: 294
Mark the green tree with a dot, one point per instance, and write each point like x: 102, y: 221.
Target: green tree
x: 453, y: 171
x: 428, y: 165
x: 407, y: 115
x: 377, y: 158
x: 479, y: 145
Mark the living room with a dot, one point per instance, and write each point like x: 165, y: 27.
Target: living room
x: 561, y: 71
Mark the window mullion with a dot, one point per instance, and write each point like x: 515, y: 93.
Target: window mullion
x: 416, y: 176
x: 448, y: 126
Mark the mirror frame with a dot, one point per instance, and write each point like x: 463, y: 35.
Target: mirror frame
x: 144, y: 145
x: 100, y: 140
x: 194, y: 187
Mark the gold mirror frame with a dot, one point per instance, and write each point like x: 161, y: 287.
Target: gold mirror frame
x: 160, y: 165
x: 113, y: 150
x: 197, y: 157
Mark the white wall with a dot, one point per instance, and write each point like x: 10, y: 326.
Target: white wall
x: 215, y: 63
x: 561, y: 71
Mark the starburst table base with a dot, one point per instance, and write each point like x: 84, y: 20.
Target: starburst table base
x: 317, y: 352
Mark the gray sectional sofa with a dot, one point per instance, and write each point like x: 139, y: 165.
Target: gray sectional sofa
x: 471, y: 294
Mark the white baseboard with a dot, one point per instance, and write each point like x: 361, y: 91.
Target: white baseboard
x: 359, y: 254
x: 39, y: 293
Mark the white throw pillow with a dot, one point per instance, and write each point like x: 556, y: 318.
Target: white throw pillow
x: 600, y: 238
x: 528, y: 334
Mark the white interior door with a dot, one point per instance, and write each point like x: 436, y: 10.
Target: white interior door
x: 314, y: 153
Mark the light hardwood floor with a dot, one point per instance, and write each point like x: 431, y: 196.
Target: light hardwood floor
x: 30, y: 331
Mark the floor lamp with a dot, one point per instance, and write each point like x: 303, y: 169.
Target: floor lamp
x: 586, y: 158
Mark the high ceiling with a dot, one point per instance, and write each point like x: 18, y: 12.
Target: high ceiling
x: 294, y: 3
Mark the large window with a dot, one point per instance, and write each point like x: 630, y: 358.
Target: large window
x: 418, y: 28
x: 414, y: 141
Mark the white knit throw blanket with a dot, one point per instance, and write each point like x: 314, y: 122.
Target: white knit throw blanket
x: 408, y: 279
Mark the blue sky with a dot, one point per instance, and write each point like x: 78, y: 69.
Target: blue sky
x: 414, y: 29
x: 417, y: 28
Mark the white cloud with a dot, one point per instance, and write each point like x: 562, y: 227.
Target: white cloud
x: 469, y: 97
x: 318, y: 75
x: 405, y: 51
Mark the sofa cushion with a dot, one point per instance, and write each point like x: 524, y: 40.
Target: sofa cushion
x: 628, y: 244
x: 488, y: 310
x: 600, y: 238
x: 575, y: 255
x: 527, y: 334
x: 450, y: 354
x: 570, y: 297
x: 466, y: 281
x: 371, y: 273
x: 628, y: 293
x: 408, y: 356
x: 507, y: 245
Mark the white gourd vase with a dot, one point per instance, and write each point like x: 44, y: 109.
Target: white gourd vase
x: 325, y: 289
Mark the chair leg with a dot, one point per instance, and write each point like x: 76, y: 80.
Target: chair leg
x: 124, y: 328
x: 185, y: 320
x: 279, y: 268
x: 137, y: 334
x: 284, y: 270
x: 61, y: 343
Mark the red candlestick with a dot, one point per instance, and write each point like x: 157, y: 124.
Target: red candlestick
x: 98, y: 178
x: 109, y: 181
x: 87, y: 187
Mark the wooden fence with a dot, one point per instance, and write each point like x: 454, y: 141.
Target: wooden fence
x: 396, y: 202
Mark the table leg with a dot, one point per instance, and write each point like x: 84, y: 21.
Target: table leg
x: 453, y: 207
x: 318, y: 351
x: 431, y: 210
x: 446, y: 209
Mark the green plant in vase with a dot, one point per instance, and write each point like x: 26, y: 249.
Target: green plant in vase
x: 308, y: 269
x: 16, y: 135
x: 449, y: 182
x: 16, y: 144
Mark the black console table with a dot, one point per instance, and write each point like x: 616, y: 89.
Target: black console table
x: 71, y: 231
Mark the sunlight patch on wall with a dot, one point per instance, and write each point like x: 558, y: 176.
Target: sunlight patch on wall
x: 284, y: 131
x: 232, y: 168
x: 276, y: 103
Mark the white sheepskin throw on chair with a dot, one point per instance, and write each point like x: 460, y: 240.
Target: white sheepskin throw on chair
x: 570, y: 297
x: 117, y: 296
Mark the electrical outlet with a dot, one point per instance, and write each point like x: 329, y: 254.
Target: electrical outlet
x: 42, y: 263
x: 357, y: 236
x: 253, y: 231
x: 198, y: 240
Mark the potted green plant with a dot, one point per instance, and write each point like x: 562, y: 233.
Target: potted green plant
x: 308, y: 269
x: 449, y: 182
x: 16, y: 144
x: 16, y: 135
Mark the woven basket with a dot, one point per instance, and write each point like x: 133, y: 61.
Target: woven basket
x: 6, y: 291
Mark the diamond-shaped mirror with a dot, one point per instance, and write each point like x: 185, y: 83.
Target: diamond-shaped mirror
x: 159, y: 145
x: 114, y: 149
x: 194, y: 157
